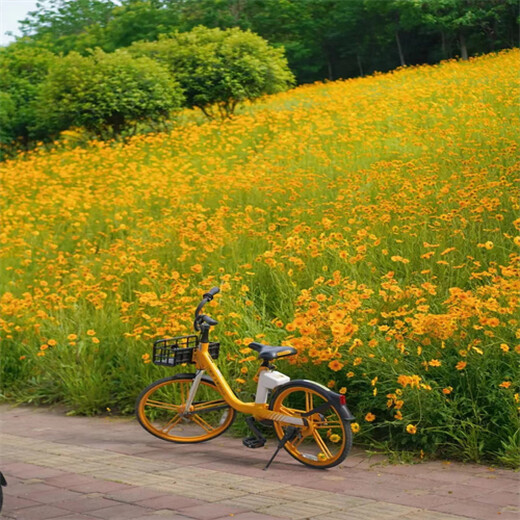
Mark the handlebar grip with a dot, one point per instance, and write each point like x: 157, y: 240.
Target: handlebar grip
x: 212, y: 292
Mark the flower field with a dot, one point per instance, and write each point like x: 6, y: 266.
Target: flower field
x: 372, y: 223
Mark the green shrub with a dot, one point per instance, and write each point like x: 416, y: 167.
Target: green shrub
x: 104, y: 93
x: 219, y: 69
x: 23, y: 68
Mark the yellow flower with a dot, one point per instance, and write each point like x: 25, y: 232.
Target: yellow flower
x: 354, y: 427
x: 52, y: 342
x: 335, y: 437
x: 322, y: 456
x: 95, y: 340
x: 91, y: 332
x: 343, y: 390
x: 411, y: 429
x: 72, y: 337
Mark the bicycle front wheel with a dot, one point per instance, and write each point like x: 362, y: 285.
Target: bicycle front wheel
x: 161, y: 410
x: 326, y: 439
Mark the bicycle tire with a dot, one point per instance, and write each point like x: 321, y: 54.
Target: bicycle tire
x: 159, y: 410
x: 310, y: 446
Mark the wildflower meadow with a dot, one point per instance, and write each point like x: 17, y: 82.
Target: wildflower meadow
x: 372, y: 223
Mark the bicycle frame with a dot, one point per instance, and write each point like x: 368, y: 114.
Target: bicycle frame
x: 259, y: 411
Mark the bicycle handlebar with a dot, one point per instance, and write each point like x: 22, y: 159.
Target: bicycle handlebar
x: 206, y: 319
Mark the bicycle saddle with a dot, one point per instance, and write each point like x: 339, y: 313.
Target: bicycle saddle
x: 268, y: 353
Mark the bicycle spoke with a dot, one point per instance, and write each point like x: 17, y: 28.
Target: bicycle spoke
x: 308, y: 402
x: 327, y: 424
x: 290, y: 411
x: 162, y: 405
x: 202, y: 423
x: 207, y: 405
x: 183, y: 392
x: 298, y: 441
x: 321, y: 444
x: 171, y: 423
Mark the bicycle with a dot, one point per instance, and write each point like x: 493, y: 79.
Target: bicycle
x: 311, y: 422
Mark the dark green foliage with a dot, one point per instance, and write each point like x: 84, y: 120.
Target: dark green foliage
x: 219, y: 69
x: 104, y: 93
x: 23, y: 67
x: 322, y: 38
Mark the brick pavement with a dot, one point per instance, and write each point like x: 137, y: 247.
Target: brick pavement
x: 110, y: 468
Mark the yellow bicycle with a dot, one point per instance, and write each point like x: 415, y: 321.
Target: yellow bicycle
x: 311, y: 422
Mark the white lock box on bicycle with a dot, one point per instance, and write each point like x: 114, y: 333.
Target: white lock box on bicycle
x: 267, y: 380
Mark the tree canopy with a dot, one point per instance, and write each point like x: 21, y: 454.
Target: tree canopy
x: 322, y: 38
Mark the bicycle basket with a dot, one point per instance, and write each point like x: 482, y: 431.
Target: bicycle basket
x: 170, y: 352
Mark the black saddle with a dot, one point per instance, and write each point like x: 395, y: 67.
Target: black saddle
x: 269, y: 353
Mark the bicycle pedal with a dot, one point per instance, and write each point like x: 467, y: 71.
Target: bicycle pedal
x: 253, y: 442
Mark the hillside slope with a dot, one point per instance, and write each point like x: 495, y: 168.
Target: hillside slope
x: 373, y: 223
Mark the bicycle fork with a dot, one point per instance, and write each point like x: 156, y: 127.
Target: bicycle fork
x: 193, y: 390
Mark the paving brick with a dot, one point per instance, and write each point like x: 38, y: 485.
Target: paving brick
x: 250, y: 515
x: 134, y: 494
x: 87, y: 503
x: 41, y: 512
x: 475, y: 510
x: 211, y: 511
x: 13, y: 503
x: 54, y: 496
x: 171, y: 502
x: 120, y: 512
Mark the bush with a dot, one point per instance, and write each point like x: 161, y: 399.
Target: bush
x: 219, y: 69
x: 22, y: 69
x: 104, y: 93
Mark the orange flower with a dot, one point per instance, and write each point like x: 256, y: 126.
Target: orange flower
x: 335, y: 365
x: 461, y: 365
x: 369, y: 417
x: 505, y: 384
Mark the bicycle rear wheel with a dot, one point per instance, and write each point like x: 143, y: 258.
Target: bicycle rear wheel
x: 326, y: 439
x: 161, y: 410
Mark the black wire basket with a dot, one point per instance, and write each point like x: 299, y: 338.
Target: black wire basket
x: 170, y: 352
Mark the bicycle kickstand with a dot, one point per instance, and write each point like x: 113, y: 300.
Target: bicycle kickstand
x: 289, y: 436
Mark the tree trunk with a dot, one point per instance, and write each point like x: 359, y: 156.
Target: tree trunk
x: 443, y: 46
x: 360, y: 65
x: 329, y: 69
x: 400, y: 49
x: 463, y: 48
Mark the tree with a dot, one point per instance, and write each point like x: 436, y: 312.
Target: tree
x: 219, y: 69
x: 23, y: 68
x: 104, y: 93
x: 66, y: 25
x: 469, y: 18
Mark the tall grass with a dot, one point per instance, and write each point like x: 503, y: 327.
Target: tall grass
x: 372, y: 223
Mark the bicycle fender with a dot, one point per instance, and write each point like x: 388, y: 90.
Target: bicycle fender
x: 191, y: 375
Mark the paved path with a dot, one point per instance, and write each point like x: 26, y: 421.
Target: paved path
x: 110, y: 468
